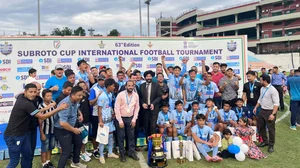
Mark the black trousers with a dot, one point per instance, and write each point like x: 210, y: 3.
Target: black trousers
x: 280, y: 92
x: 129, y: 131
x: 68, y: 141
x: 263, y: 121
x: 33, y: 137
x: 150, y: 118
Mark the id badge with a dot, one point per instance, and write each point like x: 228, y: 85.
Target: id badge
x: 251, y: 95
x: 128, y: 110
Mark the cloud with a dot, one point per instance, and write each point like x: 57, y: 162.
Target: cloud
x: 101, y: 15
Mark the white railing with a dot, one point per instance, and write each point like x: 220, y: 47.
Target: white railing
x: 186, y: 12
x: 202, y: 12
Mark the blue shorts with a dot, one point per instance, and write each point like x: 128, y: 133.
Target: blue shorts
x: 49, y: 144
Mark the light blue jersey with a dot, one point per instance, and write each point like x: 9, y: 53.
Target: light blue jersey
x: 191, y: 88
x: 203, y: 133
x: 190, y: 115
x: 84, y: 77
x: 105, y: 101
x: 207, y: 91
x: 180, y: 120
x: 227, y: 116
x: 163, y: 118
x: 175, y: 90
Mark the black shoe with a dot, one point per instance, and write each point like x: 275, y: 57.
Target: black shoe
x: 134, y: 157
x: 262, y: 144
x: 46, y: 166
x: 271, y: 149
x: 51, y: 165
x: 123, y: 158
x: 96, y: 154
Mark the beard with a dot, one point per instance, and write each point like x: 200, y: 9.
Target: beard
x: 148, y: 80
x: 129, y: 90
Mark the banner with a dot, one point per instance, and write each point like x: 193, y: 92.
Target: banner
x: 18, y: 55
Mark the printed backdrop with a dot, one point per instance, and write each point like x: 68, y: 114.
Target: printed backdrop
x: 18, y: 55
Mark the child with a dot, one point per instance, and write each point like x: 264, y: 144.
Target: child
x: 179, y: 120
x: 242, y: 111
x: 228, y: 117
x: 193, y: 112
x: 163, y: 122
x: 201, y: 134
x: 67, y: 87
x: 212, y: 115
x: 245, y: 132
x: 85, y: 110
x: 31, y: 77
x: 70, y: 76
x: 46, y: 130
x: 226, y: 141
x: 105, y: 114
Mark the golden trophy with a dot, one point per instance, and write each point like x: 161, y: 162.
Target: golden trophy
x: 181, y: 159
x: 156, y: 155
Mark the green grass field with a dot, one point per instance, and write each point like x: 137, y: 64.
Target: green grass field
x: 285, y: 155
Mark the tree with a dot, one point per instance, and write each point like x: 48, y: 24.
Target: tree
x: 56, y: 32
x: 79, y: 32
x: 114, y: 32
x: 66, y: 31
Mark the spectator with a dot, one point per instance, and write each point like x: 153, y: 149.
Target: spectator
x: 31, y: 77
x: 55, y: 83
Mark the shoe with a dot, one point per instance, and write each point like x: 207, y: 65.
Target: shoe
x: 298, y: 125
x: 88, y: 153
x: 262, y: 144
x: 271, y: 149
x: 96, y: 154
x: 78, y: 165
x: 134, y: 157
x: 294, y: 128
x: 46, y: 166
x: 51, y: 165
x: 85, y: 157
x: 137, y: 149
x: 102, y: 160
x: 112, y: 155
x: 123, y: 158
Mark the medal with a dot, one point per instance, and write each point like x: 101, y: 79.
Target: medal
x: 128, y: 110
x: 251, y: 95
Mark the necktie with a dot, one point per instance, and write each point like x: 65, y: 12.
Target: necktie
x: 148, y: 94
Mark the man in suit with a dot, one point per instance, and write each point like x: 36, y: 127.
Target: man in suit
x: 150, y: 98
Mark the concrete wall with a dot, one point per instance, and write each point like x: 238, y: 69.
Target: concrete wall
x: 283, y: 61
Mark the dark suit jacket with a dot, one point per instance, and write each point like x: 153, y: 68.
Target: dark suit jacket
x: 155, y: 96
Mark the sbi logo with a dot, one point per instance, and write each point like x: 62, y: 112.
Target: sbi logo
x: 180, y: 58
x: 41, y: 60
x: 196, y: 64
x: 18, y: 77
x: 212, y: 57
x: 116, y: 59
x: 0, y: 61
x: 79, y: 59
x: 149, y: 59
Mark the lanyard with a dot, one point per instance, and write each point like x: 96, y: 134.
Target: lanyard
x: 120, y: 83
x: 166, y: 116
x: 100, y: 87
x: 239, y: 112
x: 109, y: 99
x: 179, y: 115
x: 251, y: 87
x: 192, y: 86
x: 263, y: 95
x: 200, y: 131
x: 176, y: 82
x: 209, y: 86
x: 226, y: 115
x: 128, y: 103
x: 212, y: 114
x: 83, y: 76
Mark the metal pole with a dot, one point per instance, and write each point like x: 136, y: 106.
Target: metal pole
x: 292, y: 56
x: 148, y: 19
x: 39, y: 19
x: 140, y: 11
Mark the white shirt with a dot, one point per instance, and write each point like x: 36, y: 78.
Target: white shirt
x: 29, y: 80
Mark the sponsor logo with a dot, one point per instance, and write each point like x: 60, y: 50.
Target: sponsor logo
x: 21, y: 77
x: 6, y: 48
x: 23, y: 69
x: 137, y: 59
x: 45, y: 68
x: 151, y: 66
x: 64, y: 60
x: 117, y: 59
x: 84, y: 58
x: 6, y: 103
x: 5, y: 112
x: 7, y: 95
x: 3, y: 78
x: 138, y: 66
x: 45, y: 60
x: 218, y: 57
x: 5, y: 70
x: 107, y: 66
x: 42, y: 77
x: 56, y: 44
x: 199, y: 58
x: 189, y: 45
x: 5, y: 61
x: 4, y: 87
x: 198, y: 64
x: 180, y: 58
x: 236, y: 71
x: 231, y: 46
x: 233, y: 64
x: 233, y: 57
x: 101, y: 45
x: 168, y: 65
x: 101, y: 60
x: 67, y: 67
x: 24, y: 61
x: 170, y: 59
x: 152, y: 58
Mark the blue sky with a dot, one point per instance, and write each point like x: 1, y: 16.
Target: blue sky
x: 102, y: 15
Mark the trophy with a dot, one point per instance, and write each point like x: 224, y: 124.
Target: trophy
x: 181, y: 159
x: 156, y: 155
